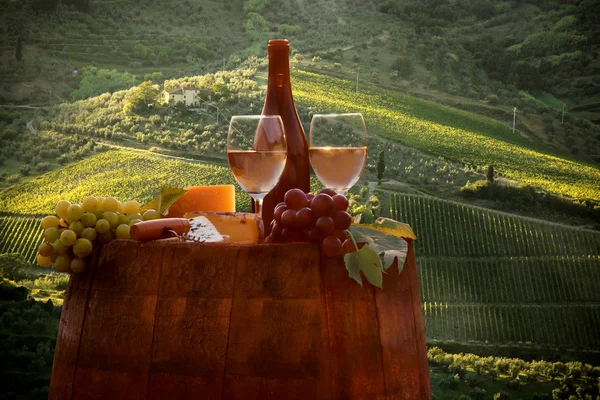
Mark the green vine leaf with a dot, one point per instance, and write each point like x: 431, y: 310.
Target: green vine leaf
x: 385, y: 244
x: 164, y: 200
x: 367, y: 261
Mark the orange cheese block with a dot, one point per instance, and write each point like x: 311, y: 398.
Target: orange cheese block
x: 241, y: 228
x: 219, y: 198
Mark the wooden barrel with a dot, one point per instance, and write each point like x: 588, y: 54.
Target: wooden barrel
x: 167, y: 320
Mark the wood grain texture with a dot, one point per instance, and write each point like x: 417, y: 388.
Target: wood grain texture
x: 278, y: 341
x: 355, y: 349
x: 167, y: 320
x: 69, y: 334
x: 402, y: 333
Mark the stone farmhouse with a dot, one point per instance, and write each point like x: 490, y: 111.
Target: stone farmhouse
x: 189, y: 96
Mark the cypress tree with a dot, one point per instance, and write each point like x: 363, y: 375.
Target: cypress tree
x: 19, y: 50
x: 490, y: 174
x: 380, y: 166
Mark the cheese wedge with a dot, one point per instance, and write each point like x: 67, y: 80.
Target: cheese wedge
x: 202, y: 230
x: 242, y: 228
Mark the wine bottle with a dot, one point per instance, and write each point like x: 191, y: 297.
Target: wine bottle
x: 279, y: 101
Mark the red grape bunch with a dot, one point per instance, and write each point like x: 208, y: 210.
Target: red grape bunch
x: 320, y: 218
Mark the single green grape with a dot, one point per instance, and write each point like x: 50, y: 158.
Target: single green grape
x: 110, y: 204
x: 68, y: 237
x: 151, y: 214
x: 44, y: 261
x: 78, y: 265
x: 98, y: 214
x: 90, y: 204
x: 122, y: 232
x: 135, y: 216
x: 89, y: 234
x: 119, y: 207
x: 77, y: 227
x: 102, y: 226
x: 89, y: 219
x: 61, y: 208
x: 45, y: 249
x: 123, y: 219
x: 74, y: 212
x: 49, y: 222
x: 59, y: 247
x: 131, y: 207
x: 51, y: 234
x: 82, y: 247
x: 63, y: 263
x: 134, y: 221
x: 112, y: 218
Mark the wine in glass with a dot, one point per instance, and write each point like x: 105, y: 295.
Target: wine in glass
x: 337, y: 149
x: 256, y: 151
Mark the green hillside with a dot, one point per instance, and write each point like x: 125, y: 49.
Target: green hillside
x: 497, y: 279
x: 453, y: 134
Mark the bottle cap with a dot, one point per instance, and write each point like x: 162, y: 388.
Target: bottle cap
x: 279, y: 44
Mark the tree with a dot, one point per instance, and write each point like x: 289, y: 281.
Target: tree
x: 139, y: 97
x: 380, y: 166
x: 404, y: 66
x: 19, y: 50
x: 490, y: 174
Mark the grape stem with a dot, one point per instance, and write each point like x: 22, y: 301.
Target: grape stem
x: 352, y: 237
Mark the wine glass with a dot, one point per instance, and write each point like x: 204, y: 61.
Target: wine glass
x: 256, y: 151
x: 337, y: 147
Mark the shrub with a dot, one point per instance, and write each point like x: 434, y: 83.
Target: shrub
x: 24, y: 170
x: 491, y: 98
x: 501, y: 396
x: 13, y: 178
x: 477, y: 393
x: 473, y: 381
x: 42, y: 167
x: 513, y: 384
x: 449, y: 383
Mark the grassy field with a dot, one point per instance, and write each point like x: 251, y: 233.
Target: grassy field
x: 457, y: 135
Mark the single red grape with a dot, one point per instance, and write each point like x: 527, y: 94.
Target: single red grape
x: 322, y: 205
x: 342, y: 220
x: 332, y: 246
x: 269, y: 239
x: 289, y: 235
x: 295, y: 199
x: 288, y: 218
x: 276, y: 231
x: 280, y: 204
x: 309, y: 197
x: 342, y: 235
x: 279, y: 210
x: 340, y: 203
x: 325, y: 225
x: 314, y: 235
x: 328, y: 191
x: 305, y: 218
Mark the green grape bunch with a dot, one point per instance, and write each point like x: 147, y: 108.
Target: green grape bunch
x: 71, y: 235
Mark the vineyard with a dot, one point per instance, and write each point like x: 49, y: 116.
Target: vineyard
x: 118, y: 173
x: 20, y: 234
x: 456, y: 135
x: 492, y: 277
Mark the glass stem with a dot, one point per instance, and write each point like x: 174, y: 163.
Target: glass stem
x: 258, y: 206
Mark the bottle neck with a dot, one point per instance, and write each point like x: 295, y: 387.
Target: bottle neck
x: 279, y: 68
